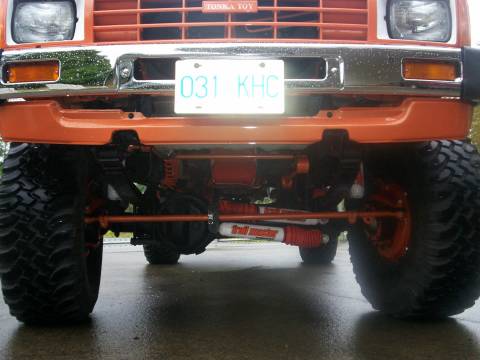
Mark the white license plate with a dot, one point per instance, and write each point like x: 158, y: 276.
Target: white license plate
x: 229, y: 87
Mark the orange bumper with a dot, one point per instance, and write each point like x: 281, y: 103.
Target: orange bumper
x: 416, y: 119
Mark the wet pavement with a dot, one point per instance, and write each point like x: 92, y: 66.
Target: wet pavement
x: 237, y: 302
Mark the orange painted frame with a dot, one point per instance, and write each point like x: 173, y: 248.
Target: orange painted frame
x: 463, y: 30
x: 416, y: 119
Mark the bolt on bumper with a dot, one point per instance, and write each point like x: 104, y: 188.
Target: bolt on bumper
x: 350, y: 69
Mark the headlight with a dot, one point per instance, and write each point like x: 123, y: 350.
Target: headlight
x: 39, y: 21
x: 424, y: 20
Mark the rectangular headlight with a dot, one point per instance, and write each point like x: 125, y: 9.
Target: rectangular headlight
x: 40, y: 21
x: 423, y: 20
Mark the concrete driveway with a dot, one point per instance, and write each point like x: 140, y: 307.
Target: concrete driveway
x: 237, y: 302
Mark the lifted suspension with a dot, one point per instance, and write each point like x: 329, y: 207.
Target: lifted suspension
x: 295, y: 227
x: 306, y: 237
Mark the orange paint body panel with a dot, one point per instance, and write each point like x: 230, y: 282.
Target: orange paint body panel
x: 416, y: 119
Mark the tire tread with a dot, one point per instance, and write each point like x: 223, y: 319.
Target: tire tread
x: 38, y: 266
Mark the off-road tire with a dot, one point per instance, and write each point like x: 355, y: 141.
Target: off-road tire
x: 161, y: 254
x: 323, y: 255
x: 439, y: 275
x: 48, y: 272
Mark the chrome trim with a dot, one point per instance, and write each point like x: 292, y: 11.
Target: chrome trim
x: 360, y: 69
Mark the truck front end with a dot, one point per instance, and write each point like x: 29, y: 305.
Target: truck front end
x: 281, y: 120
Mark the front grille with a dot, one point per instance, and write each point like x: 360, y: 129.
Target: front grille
x: 276, y: 20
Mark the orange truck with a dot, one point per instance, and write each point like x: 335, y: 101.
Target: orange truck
x: 295, y: 121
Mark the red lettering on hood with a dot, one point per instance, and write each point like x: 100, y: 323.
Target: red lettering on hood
x: 230, y: 6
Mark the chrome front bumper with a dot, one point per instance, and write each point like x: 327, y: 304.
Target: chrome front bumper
x: 350, y: 69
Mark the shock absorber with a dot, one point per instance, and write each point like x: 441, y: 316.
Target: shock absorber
x: 229, y: 207
x: 290, y: 235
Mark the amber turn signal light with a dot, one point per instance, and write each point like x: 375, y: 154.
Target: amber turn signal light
x: 430, y: 70
x: 31, y: 72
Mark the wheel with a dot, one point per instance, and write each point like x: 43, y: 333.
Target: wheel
x: 50, y: 261
x: 426, y: 264
x: 320, y: 256
x: 161, y: 254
